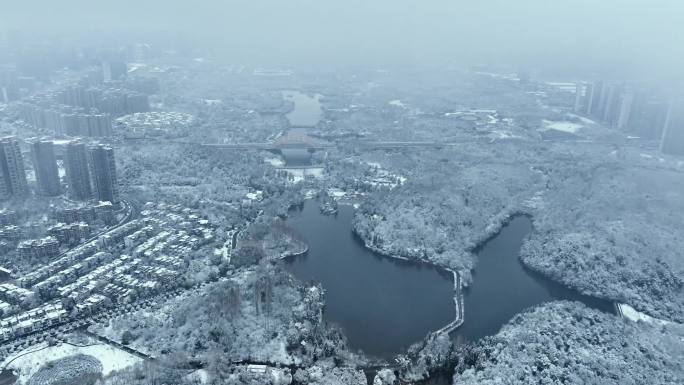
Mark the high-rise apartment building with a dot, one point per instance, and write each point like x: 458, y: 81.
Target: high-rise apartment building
x: 12, y: 172
x: 45, y: 167
x: 672, y: 139
x: 103, y: 173
x: 77, y: 173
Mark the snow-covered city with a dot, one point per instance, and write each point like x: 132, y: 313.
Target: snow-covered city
x: 183, y: 206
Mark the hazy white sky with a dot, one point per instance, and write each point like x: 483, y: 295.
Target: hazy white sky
x: 629, y: 34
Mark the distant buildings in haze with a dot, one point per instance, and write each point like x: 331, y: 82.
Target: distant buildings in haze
x: 638, y: 110
x: 87, y: 106
x: 672, y: 139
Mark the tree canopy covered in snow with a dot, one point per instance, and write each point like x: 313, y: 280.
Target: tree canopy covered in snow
x: 449, y: 204
x: 606, y: 218
x: 615, y: 231
x: 565, y: 342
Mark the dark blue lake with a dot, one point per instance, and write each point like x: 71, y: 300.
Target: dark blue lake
x: 384, y: 304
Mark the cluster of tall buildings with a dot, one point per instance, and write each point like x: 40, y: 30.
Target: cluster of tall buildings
x: 639, y: 110
x: 87, y: 106
x: 90, y: 170
x: 66, y: 120
x: 109, y: 98
x: 82, y: 111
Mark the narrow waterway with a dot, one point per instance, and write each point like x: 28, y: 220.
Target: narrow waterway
x: 307, y: 109
x: 503, y: 287
x: 307, y: 112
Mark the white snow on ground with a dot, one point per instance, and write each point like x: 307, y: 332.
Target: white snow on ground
x: 255, y: 196
x: 536, y: 201
x: 33, y: 358
x: 275, y: 162
x: 647, y: 156
x: 502, y: 134
x: 61, y: 141
x: 132, y: 67
x: 397, y: 103
x: 300, y: 173
x: 564, y: 126
x: 582, y: 118
x: 200, y: 375
x: 385, y: 173
x: 511, y: 77
x: 309, y: 194
x: 634, y: 315
x: 336, y: 193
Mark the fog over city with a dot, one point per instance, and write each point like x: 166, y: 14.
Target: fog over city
x: 341, y: 192
x: 633, y: 36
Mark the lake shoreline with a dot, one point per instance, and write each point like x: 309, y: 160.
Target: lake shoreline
x: 347, y: 247
x: 455, y: 276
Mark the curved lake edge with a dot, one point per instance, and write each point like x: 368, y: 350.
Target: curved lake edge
x: 443, y: 375
x: 492, y: 232
x: 293, y: 254
x: 459, y: 286
x: 450, y: 277
x: 456, y: 277
x: 535, y: 273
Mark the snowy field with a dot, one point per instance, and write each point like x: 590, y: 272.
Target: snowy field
x: 397, y: 103
x: 564, y: 126
x: 27, y: 362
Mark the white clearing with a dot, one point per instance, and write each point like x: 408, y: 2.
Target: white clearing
x: 29, y: 361
x: 275, y: 162
x: 299, y: 174
x: 397, y: 103
x: 336, y: 193
x: 564, y: 126
x: 634, y: 315
x: 200, y: 375
x: 584, y: 120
